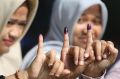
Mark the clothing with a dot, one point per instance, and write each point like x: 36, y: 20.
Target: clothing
x: 65, y: 13
x: 11, y: 61
x: 114, y: 71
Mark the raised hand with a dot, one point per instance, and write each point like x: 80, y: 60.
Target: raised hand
x: 45, y: 65
x: 37, y: 63
x: 105, y: 54
x: 73, y: 58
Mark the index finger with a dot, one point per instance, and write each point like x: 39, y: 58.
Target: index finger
x: 89, y: 40
x: 40, y: 45
x: 89, y: 35
x: 65, y: 44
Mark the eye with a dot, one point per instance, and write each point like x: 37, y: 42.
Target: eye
x: 82, y: 20
x: 97, y: 22
x: 22, y: 24
x: 10, y: 22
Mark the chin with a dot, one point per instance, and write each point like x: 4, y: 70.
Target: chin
x: 4, y: 50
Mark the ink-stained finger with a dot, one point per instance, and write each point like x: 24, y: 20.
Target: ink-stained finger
x: 65, y: 47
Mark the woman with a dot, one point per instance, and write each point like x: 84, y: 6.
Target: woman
x: 10, y: 57
x: 76, y: 15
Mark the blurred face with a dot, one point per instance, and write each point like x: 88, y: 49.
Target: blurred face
x: 91, y: 16
x: 14, y: 29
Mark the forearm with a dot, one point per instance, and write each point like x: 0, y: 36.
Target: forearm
x: 11, y: 77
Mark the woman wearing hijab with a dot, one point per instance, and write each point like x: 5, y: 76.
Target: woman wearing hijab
x: 10, y: 50
x: 15, y: 21
x: 76, y: 15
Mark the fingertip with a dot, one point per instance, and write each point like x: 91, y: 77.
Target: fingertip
x: 99, y: 58
x: 86, y: 55
x: 50, y: 64
x: 81, y: 63
x: 76, y: 62
x: 66, y: 71
x: 89, y: 27
x: 104, y: 56
x: 51, y: 73
x: 40, y: 36
x: 65, y: 30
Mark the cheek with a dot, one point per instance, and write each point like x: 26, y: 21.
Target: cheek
x: 21, y: 31
x: 77, y: 29
x: 98, y: 32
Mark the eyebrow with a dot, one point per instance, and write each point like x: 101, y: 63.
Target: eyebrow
x: 97, y: 16
x: 15, y: 20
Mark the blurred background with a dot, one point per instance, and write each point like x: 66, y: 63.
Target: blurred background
x: 42, y: 20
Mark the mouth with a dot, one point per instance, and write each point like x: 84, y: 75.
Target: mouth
x: 84, y: 41
x: 8, y: 42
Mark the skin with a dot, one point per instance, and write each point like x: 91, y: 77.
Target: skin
x: 42, y: 62
x: 14, y: 29
x: 90, y: 16
x: 87, y: 54
x: 73, y: 61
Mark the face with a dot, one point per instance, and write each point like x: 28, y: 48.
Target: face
x: 90, y: 16
x: 14, y: 29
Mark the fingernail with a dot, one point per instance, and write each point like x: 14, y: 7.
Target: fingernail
x: 81, y: 63
x: 65, y: 30
x: 76, y: 62
x: 99, y: 57
x: 51, y: 74
x: 88, y: 27
x: 86, y: 55
x: 40, y: 34
x: 68, y: 72
x: 104, y: 56
x: 50, y: 64
x: 111, y: 46
x: 57, y: 75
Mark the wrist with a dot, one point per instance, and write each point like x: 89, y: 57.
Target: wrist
x: 21, y: 75
x: 94, y: 73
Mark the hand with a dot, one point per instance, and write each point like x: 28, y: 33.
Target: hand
x: 45, y: 65
x: 105, y: 55
x: 73, y: 58
x: 35, y: 67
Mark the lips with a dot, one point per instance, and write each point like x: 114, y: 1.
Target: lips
x: 83, y: 39
x: 8, y: 42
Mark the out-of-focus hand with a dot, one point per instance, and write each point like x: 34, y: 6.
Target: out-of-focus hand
x: 105, y: 54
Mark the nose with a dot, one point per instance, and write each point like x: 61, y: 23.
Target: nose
x: 14, y: 31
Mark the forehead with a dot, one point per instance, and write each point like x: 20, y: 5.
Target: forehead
x: 22, y: 10
x: 95, y: 9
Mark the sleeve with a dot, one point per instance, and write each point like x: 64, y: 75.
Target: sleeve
x: 82, y: 76
x: 114, y: 72
x: 29, y: 58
